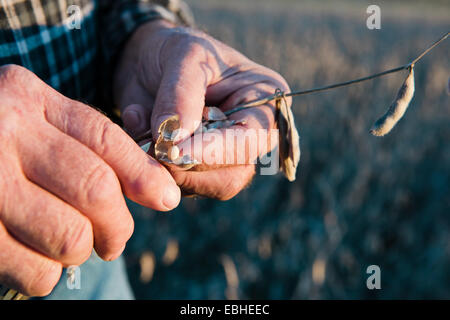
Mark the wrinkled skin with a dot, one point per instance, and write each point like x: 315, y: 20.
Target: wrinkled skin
x: 63, y: 170
x: 64, y: 167
x: 166, y: 70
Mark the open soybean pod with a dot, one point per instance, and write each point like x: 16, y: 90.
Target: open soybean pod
x: 165, y: 148
x: 397, y: 109
x: 289, y: 140
x: 213, y: 114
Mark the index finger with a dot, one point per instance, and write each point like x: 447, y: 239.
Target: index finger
x: 142, y: 178
x: 250, y: 136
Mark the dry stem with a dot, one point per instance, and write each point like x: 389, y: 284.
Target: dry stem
x: 279, y: 94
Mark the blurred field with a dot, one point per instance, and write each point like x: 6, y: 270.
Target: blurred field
x: 358, y: 200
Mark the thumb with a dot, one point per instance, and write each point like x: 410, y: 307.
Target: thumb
x: 136, y: 120
x: 182, y: 92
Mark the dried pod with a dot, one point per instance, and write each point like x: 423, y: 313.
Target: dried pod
x: 166, y: 151
x: 223, y: 124
x: 220, y: 124
x: 213, y: 114
x: 185, y: 162
x: 289, y: 140
x: 169, y: 127
x: 397, y: 109
x: 162, y: 148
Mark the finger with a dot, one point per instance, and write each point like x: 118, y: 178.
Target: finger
x: 254, y: 82
x: 142, y: 178
x: 25, y: 270
x: 45, y: 223
x: 221, y: 184
x: 236, y: 145
x: 74, y: 173
x: 239, y: 144
x: 136, y: 120
x: 132, y: 92
x: 182, y: 91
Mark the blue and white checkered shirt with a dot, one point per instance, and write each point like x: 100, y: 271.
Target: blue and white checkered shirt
x: 71, y: 44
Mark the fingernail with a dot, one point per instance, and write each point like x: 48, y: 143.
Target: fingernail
x: 131, y: 119
x: 171, y: 198
x: 115, y: 255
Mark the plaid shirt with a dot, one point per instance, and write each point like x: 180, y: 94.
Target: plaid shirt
x: 71, y: 44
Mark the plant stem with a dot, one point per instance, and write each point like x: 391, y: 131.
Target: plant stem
x: 430, y: 48
x: 279, y: 94
x: 346, y: 83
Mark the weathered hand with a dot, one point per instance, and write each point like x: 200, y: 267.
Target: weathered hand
x: 63, y: 170
x: 165, y: 70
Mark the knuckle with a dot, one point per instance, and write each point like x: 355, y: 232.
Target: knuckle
x: 128, y: 229
x: 112, y: 243
x: 43, y: 279
x: 182, y: 34
x: 12, y: 75
x: 103, y: 193
x: 107, y: 138
x: 100, y: 186
x: 194, y: 42
x: 199, y: 49
x: 197, y: 45
x: 9, y: 123
x: 76, y: 247
x: 37, y: 278
x: 139, y: 187
x: 118, y: 240
x: 12, y: 70
x: 21, y: 91
x: 122, y: 233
